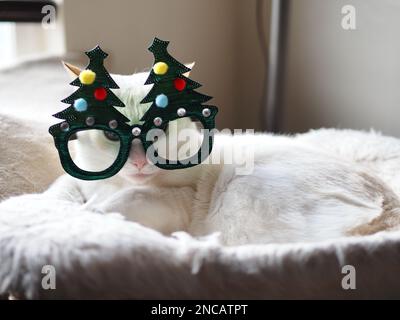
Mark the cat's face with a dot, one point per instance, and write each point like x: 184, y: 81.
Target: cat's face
x: 96, y: 150
x: 132, y: 90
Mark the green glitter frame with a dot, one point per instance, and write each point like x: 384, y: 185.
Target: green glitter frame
x: 126, y: 137
x: 76, y: 121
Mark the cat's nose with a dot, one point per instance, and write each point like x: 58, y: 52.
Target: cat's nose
x: 139, y: 162
x: 138, y: 155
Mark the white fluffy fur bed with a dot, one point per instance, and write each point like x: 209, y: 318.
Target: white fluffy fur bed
x: 103, y: 256
x: 98, y: 256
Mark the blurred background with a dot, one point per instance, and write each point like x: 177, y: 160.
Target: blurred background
x: 327, y: 76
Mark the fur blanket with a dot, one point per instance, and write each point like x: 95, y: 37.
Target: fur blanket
x: 97, y: 256
x: 104, y: 256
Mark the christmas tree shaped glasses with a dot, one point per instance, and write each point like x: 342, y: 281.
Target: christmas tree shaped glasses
x: 177, y: 111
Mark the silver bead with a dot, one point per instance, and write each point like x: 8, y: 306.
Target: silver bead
x: 181, y: 112
x: 157, y: 121
x: 113, y: 124
x: 64, y: 126
x: 90, y: 121
x: 206, y: 112
x: 136, y: 131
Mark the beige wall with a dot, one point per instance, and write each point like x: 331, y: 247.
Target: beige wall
x: 349, y: 79
x: 220, y: 35
x: 335, y: 78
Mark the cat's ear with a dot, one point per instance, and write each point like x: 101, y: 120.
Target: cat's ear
x: 72, y: 70
x: 190, y: 66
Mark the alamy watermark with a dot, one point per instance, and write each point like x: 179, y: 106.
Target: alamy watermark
x: 349, y: 17
x: 349, y: 280
x: 49, y: 18
x: 49, y: 278
x: 190, y: 146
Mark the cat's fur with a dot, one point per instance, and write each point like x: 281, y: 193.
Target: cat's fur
x: 306, y: 188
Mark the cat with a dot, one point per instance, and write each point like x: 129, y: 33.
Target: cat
x: 310, y: 187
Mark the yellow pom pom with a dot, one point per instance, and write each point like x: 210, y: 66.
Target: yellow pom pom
x: 87, y: 76
x: 160, y: 68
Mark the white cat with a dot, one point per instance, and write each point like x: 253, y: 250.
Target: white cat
x: 311, y: 187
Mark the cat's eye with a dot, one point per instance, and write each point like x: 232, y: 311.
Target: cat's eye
x: 180, y: 140
x: 91, y: 152
x: 111, y: 135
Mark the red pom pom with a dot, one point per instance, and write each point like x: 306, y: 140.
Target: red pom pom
x: 100, y: 94
x: 179, y: 84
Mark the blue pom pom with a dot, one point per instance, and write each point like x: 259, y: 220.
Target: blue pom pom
x: 161, y: 101
x: 80, y: 105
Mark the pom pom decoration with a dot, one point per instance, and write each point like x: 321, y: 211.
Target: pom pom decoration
x: 100, y: 94
x: 160, y: 68
x: 80, y: 105
x: 179, y: 84
x: 162, y: 101
x: 87, y: 77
